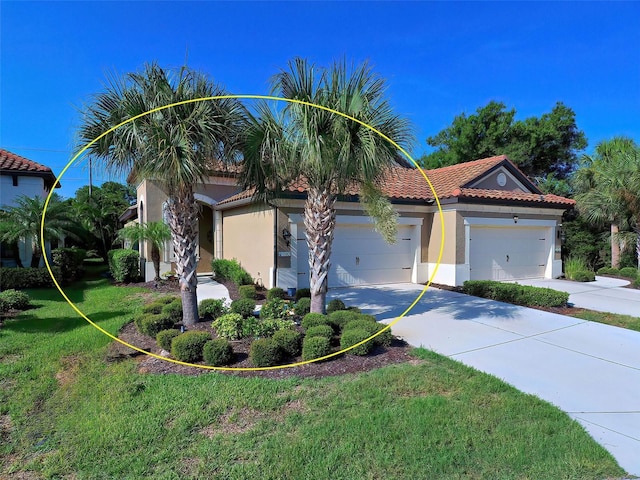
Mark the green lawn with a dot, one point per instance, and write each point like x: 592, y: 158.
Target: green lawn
x: 615, y: 319
x: 65, y: 413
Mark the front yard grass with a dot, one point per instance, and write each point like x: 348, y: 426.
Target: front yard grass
x: 615, y: 319
x: 65, y: 412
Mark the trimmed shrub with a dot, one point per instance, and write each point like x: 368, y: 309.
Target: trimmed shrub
x: 125, y: 265
x: 188, y: 346
x: 340, y: 318
x: 15, y: 299
x: 269, y: 326
x: 363, y: 323
x: 302, y: 293
x: 354, y: 336
x: 517, y: 294
x: 70, y: 262
x: 315, y: 347
x: 244, y: 307
x: 230, y: 270
x: 217, y: 352
x: 608, y: 271
x: 152, y: 324
x: 629, y: 272
x: 636, y: 282
x: 4, y: 307
x: 289, y: 341
x: 276, y: 308
x: 164, y: 338
x: 248, y: 291
x: 153, y: 307
x: 212, y: 308
x: 265, y: 352
x: 275, y: 292
x: 28, y: 277
x: 584, y: 276
x: 320, y: 331
x: 173, y: 310
x: 314, y: 319
x: 335, y: 305
x: 302, y: 306
x: 229, y: 326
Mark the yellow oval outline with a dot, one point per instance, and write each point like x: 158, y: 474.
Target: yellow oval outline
x: 250, y: 97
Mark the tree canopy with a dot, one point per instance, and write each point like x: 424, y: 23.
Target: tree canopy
x: 539, y: 146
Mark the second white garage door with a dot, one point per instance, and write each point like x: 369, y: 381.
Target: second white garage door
x: 508, y: 253
x: 361, y: 257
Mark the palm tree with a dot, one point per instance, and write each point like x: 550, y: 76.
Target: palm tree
x: 21, y: 222
x: 329, y: 152
x: 173, y: 146
x: 155, y: 232
x: 609, y: 186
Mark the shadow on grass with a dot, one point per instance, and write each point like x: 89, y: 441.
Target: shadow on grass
x: 389, y: 302
x: 28, y: 323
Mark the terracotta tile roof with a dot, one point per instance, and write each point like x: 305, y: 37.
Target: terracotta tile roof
x: 13, y: 164
x: 448, y: 182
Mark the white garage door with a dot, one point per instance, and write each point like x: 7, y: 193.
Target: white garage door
x: 508, y: 253
x: 361, y: 257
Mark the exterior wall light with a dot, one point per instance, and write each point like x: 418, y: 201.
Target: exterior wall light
x: 515, y: 219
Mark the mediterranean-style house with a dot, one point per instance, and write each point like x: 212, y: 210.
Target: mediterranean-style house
x: 497, y: 225
x: 21, y: 176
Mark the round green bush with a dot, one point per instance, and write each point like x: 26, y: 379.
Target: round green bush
x: 244, y: 307
x: 265, y: 352
x: 164, y: 338
x: 229, y: 326
x: 217, y: 352
x: 275, y: 309
x: 340, y: 318
x: 212, y: 308
x: 583, y: 276
x: 289, y: 341
x: 15, y: 299
x: 352, y: 337
x: 319, y: 331
x: 153, y: 307
x: 248, y: 291
x: 335, y: 305
x: 302, y: 306
x: 629, y: 272
x: 315, y: 347
x: 151, y: 324
x: 314, y: 319
x: 275, y: 292
x: 385, y: 338
x: 188, y: 346
x: 173, y: 310
x: 608, y: 271
x: 267, y: 327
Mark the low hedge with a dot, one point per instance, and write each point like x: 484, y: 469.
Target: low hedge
x: 363, y: 322
x: 315, y: 347
x: 70, y: 262
x: 189, y: 346
x: 265, y: 352
x: 14, y: 299
x: 164, y: 338
x: 230, y: 270
x: 608, y: 271
x: 340, y: 318
x: 217, y: 352
x: 151, y: 324
x: 515, y: 293
x: 583, y: 276
x: 124, y: 264
x: 13, y: 278
x: 289, y: 341
x: 629, y: 272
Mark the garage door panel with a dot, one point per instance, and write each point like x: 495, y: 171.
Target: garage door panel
x: 508, y: 253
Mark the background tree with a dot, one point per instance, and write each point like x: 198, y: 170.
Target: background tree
x: 608, y: 187
x: 99, y: 213
x: 539, y: 146
x: 328, y: 152
x: 173, y: 146
x: 154, y: 232
x: 22, y: 223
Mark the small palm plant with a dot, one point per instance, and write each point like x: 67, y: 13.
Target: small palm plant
x: 155, y: 232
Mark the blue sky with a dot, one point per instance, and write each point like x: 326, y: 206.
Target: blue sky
x: 440, y: 59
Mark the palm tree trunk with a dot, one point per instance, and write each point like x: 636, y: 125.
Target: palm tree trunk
x: 183, y: 221
x: 615, y: 247
x: 155, y: 258
x: 319, y: 222
x: 35, y: 254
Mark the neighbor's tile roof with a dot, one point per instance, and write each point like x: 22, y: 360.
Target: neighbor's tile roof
x: 448, y: 182
x: 15, y: 163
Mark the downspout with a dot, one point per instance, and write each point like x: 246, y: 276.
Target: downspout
x: 217, y: 230
x: 275, y: 245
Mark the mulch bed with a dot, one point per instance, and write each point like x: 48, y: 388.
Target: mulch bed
x: 398, y: 352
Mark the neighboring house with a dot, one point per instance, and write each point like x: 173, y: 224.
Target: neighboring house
x: 498, y: 225
x: 21, y: 176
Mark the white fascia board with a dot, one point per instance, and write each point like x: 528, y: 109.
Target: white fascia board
x: 357, y: 220
x: 508, y: 222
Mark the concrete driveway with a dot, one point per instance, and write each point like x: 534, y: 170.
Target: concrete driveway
x: 589, y: 370
x: 604, y: 295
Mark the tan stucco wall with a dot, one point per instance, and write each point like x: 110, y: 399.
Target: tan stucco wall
x: 432, y: 237
x: 248, y: 236
x: 151, y: 197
